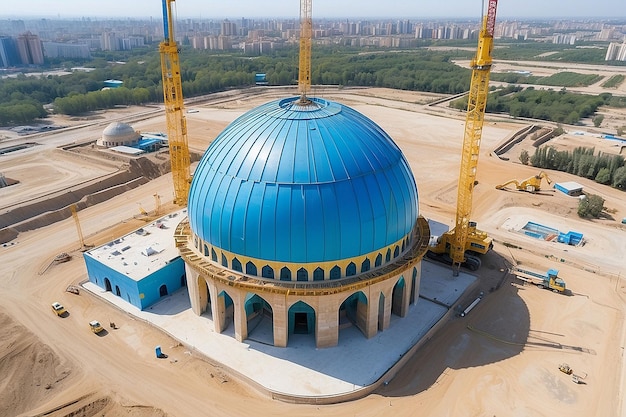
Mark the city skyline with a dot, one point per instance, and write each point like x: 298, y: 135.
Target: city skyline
x: 531, y: 9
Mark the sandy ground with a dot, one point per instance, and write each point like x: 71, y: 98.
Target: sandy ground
x: 500, y: 360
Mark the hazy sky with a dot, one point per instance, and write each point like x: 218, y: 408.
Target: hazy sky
x: 321, y: 8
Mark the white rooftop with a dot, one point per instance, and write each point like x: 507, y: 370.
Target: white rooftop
x: 570, y: 185
x: 127, y: 150
x: 143, y: 251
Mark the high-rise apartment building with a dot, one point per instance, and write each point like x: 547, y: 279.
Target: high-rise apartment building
x: 30, y: 49
x: 616, y: 52
x: 110, y: 41
x: 9, y: 56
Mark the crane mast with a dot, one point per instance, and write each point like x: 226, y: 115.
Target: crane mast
x: 174, y: 108
x: 476, y: 103
x: 306, y: 34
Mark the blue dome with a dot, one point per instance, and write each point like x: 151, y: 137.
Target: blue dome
x: 302, y: 183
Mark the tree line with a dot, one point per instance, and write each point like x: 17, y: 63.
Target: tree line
x: 583, y: 162
x: 204, y: 72
x: 556, y: 106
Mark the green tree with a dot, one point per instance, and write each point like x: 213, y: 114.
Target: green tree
x: 619, y: 178
x: 597, y: 120
x: 604, y: 176
x: 524, y: 157
x: 591, y: 206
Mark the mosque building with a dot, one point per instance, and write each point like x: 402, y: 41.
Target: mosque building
x: 304, y: 213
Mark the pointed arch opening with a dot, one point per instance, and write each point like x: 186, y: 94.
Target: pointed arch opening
x: 260, y: 318
x: 237, y: 265
x: 285, y: 274
x: 397, y: 297
x: 353, y: 312
x: 250, y: 268
x: 365, y: 266
x: 318, y: 274
x: 267, y: 272
x: 302, y: 275
x: 301, y: 321
x: 351, y: 269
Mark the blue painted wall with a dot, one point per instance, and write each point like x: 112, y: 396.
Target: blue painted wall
x: 143, y: 293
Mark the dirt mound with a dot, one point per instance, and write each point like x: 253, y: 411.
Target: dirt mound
x: 56, y: 208
x: 30, y: 369
x: 93, y: 405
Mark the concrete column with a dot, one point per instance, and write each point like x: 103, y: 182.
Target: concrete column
x: 196, y: 286
x: 406, y: 295
x: 387, y: 308
x: 418, y: 279
x: 327, y: 325
x: 371, y: 315
x: 240, y: 319
x: 280, y: 322
x: 218, y: 308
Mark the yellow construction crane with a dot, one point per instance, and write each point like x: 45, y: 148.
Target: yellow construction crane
x: 306, y: 34
x: 174, y: 109
x: 83, y: 246
x: 157, y: 209
x: 465, y: 237
x: 531, y: 185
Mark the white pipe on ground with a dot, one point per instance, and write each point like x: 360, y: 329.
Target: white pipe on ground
x: 470, y: 307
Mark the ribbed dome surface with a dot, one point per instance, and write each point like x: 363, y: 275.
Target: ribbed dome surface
x: 302, y: 183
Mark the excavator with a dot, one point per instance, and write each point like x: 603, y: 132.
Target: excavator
x: 461, y: 245
x: 531, y: 185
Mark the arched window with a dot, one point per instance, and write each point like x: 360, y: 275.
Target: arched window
x: 224, y: 261
x: 213, y: 255
x: 302, y: 275
x: 396, y: 252
x: 388, y: 256
x: 206, y: 250
x: 285, y: 274
x: 267, y: 272
x: 379, y: 260
x: 351, y: 269
x: 318, y: 274
x: 335, y: 272
x: 237, y: 265
x: 250, y: 268
x: 365, y: 266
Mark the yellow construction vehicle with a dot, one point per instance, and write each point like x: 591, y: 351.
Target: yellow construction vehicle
x: 531, y: 185
x: 549, y: 280
x: 454, y: 245
x: 174, y: 109
x: 477, y: 243
x: 565, y: 368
